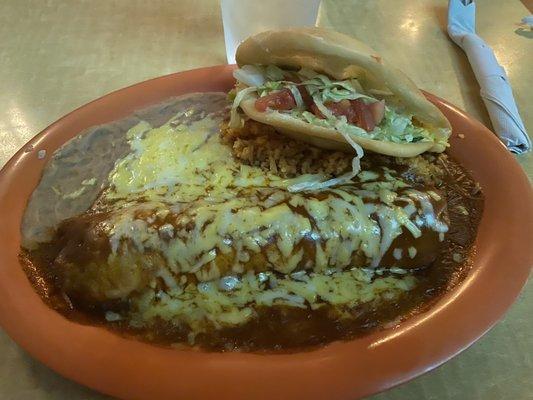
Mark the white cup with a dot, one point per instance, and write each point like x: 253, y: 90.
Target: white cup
x: 243, y: 18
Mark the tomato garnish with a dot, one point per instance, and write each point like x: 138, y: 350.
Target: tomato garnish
x: 280, y: 100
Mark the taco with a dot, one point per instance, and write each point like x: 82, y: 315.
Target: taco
x: 332, y: 91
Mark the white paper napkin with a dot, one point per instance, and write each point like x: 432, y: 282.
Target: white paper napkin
x: 495, y: 89
x: 527, y: 21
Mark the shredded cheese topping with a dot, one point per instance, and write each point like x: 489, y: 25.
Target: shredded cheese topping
x: 212, y: 304
x: 181, y: 194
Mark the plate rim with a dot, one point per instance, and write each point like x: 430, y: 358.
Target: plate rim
x: 317, y: 364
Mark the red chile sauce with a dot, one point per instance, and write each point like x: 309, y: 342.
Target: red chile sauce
x: 285, y: 329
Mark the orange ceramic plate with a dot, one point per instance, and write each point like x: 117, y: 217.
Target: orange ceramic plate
x: 343, y: 370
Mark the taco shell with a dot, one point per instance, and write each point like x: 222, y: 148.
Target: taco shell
x: 340, y: 57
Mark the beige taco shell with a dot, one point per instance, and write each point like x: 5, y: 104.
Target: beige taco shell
x: 341, y: 57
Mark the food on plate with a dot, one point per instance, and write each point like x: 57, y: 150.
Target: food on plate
x: 193, y: 222
x: 333, y: 91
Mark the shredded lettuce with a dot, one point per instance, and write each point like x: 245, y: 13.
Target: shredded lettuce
x: 268, y: 87
x: 318, y: 183
x: 313, y: 119
x: 250, y: 75
x: 300, y: 105
x: 336, y: 91
x: 235, y: 119
x: 339, y: 123
x: 399, y: 128
x: 396, y: 126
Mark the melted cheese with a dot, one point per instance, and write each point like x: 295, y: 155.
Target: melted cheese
x: 214, y: 303
x: 211, y: 215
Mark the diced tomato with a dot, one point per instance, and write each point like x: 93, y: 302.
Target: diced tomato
x: 306, y: 97
x: 378, y: 111
x: 314, y: 109
x: 364, y: 117
x: 341, y: 108
x: 280, y: 100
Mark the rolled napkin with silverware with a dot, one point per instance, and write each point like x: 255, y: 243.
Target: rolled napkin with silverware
x: 495, y: 88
